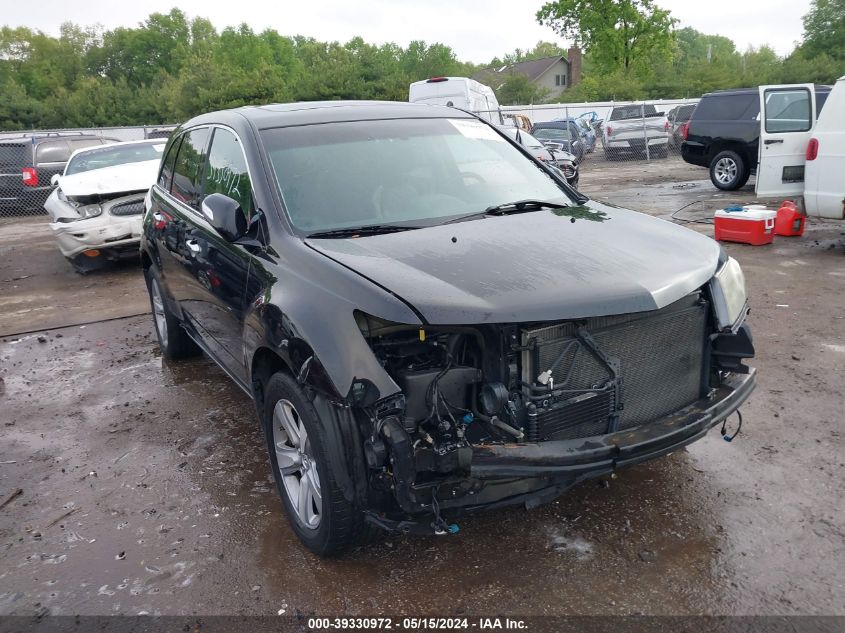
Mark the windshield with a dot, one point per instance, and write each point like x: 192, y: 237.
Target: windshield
x: 414, y: 171
x: 530, y: 142
x: 552, y: 134
x: 632, y: 112
x: 110, y: 156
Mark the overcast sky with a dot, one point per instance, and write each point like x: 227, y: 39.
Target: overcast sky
x: 476, y: 30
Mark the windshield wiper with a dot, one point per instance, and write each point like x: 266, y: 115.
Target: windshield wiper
x: 360, y: 231
x: 510, y: 208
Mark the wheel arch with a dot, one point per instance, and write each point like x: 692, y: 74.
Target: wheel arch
x: 734, y: 146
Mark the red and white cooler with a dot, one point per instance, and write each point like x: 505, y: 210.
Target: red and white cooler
x: 753, y: 224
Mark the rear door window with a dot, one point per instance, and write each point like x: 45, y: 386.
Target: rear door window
x: 227, y: 172
x: 187, y: 173
x: 726, y: 107
x: 788, y: 110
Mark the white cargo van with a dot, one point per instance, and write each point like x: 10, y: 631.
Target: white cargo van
x: 458, y: 92
x: 800, y: 156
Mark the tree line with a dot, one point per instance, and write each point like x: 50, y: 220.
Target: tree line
x: 170, y: 67
x: 634, y: 50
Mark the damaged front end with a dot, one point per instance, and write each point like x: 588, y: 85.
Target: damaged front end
x: 492, y: 415
x: 94, y: 229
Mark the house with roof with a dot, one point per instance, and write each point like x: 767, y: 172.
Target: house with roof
x: 554, y: 74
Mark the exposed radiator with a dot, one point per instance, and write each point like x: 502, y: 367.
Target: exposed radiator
x: 659, y: 357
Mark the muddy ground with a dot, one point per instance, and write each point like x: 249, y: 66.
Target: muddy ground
x: 145, y: 488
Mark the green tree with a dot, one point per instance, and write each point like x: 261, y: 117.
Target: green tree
x: 518, y: 89
x: 614, y: 33
x: 824, y: 29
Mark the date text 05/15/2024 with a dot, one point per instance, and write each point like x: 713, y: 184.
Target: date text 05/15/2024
x: 417, y: 624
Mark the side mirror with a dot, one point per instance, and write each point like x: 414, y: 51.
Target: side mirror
x: 54, y: 179
x: 225, y: 215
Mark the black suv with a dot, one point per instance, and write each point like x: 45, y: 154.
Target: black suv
x: 428, y: 318
x: 29, y: 162
x: 724, y: 134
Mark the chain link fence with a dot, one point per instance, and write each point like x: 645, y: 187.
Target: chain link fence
x: 606, y: 132
x: 29, y: 160
x: 599, y: 135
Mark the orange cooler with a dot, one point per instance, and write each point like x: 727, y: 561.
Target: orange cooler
x: 747, y: 225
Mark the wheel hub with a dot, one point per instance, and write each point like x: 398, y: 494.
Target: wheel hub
x: 725, y: 170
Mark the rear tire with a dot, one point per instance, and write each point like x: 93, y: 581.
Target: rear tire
x: 728, y: 171
x: 319, y: 514
x: 172, y: 337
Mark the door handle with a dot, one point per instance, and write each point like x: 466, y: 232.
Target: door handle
x: 772, y: 141
x: 193, y: 246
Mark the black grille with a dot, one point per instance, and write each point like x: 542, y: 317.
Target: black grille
x: 128, y: 208
x: 660, y: 357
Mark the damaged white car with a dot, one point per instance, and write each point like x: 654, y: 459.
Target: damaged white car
x: 97, y: 207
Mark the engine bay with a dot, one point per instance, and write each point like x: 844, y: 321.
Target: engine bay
x: 468, y: 387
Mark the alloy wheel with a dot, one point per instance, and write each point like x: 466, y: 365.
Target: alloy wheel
x: 297, y: 465
x: 725, y: 170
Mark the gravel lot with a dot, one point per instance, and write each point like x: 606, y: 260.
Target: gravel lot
x: 145, y: 485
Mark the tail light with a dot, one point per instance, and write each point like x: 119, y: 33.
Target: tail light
x: 812, y: 149
x: 609, y: 130
x: 30, y: 176
x: 685, y: 130
x: 666, y: 126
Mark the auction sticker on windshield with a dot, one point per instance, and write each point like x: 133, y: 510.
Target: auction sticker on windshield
x: 476, y: 129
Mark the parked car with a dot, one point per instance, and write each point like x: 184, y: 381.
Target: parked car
x: 587, y: 133
x: 458, y: 92
x: 96, y: 209
x: 677, y: 116
x: 802, y: 155
x: 637, y: 128
x: 561, y: 136
x: 593, y: 120
x: 27, y: 164
x: 724, y: 134
x: 564, y: 161
x: 518, y: 121
x: 429, y: 320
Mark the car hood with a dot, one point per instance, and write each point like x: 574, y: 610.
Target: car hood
x: 111, y: 180
x: 581, y: 261
x: 560, y: 154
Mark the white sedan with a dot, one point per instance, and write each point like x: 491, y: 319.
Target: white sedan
x: 97, y: 208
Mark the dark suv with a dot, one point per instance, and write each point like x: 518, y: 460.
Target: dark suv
x: 28, y: 163
x: 724, y: 134
x: 428, y: 318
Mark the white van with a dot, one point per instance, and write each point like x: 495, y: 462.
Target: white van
x: 800, y: 156
x: 458, y: 92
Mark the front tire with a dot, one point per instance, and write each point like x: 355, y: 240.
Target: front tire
x: 172, y: 338
x: 728, y: 171
x: 319, y: 514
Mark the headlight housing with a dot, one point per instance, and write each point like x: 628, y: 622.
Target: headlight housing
x: 730, y: 296
x: 88, y: 211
